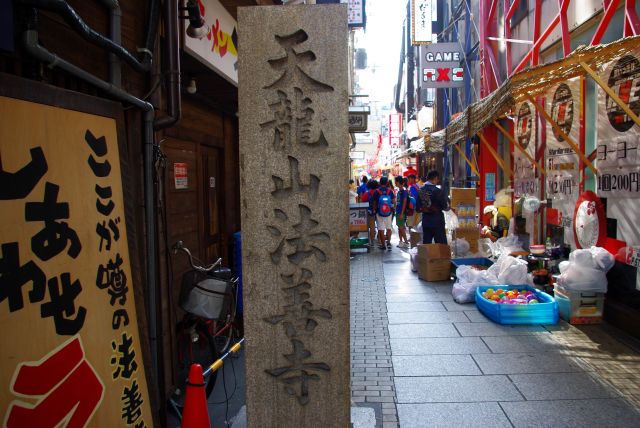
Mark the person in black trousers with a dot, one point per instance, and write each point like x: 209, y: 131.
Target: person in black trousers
x: 433, y: 202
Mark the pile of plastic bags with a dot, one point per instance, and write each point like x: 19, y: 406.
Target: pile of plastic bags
x: 507, y: 270
x: 586, y: 270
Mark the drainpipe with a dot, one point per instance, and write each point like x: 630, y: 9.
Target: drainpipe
x: 172, y: 53
x: 115, y: 34
x: 33, y: 48
x: 74, y: 20
x: 399, y: 84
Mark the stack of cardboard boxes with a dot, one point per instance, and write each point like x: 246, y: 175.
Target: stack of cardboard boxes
x: 463, y: 201
x: 434, y: 262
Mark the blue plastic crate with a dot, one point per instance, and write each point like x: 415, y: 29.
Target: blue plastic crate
x: 545, y: 312
x: 480, y: 261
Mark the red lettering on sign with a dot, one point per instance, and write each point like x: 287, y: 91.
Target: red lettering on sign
x: 65, y: 384
x: 625, y: 91
x: 443, y: 75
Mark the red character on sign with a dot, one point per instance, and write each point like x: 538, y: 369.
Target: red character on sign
x: 65, y: 385
x: 443, y: 75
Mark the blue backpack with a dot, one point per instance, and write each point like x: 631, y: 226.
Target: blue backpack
x: 384, y: 205
x: 411, y: 205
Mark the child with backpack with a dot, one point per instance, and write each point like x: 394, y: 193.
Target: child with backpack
x: 402, y: 198
x: 383, y: 204
x: 372, y: 186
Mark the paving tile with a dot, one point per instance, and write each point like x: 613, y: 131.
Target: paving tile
x: 436, y: 415
x: 528, y: 343
x: 427, y: 296
x: 526, y: 363
x: 442, y: 288
x: 492, y: 329
x: 408, y: 331
x: 438, y: 345
x: 453, y: 306
x: 426, y: 317
x: 560, y: 386
x: 455, y: 389
x: 415, y: 307
x: 410, y: 289
x: 434, y: 365
x: 572, y: 414
x: 476, y: 316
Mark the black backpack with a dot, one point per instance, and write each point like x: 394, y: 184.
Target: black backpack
x: 426, y: 204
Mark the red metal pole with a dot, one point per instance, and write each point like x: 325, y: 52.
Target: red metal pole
x: 566, y: 38
x: 511, y: 10
x: 610, y: 10
x: 632, y: 23
x: 537, y: 13
x: 507, y: 34
x: 538, y: 43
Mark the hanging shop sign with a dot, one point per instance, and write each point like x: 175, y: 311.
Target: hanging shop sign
x: 358, y: 121
x: 357, y: 13
x: 589, y: 221
x: 218, y: 50
x: 421, y: 21
x: 395, y: 129
x: 525, y: 181
x: 618, y: 160
x: 562, y: 162
x: 71, y: 350
x: 441, y: 66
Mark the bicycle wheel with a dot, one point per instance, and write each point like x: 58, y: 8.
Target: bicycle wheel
x: 223, y: 336
x: 196, y: 347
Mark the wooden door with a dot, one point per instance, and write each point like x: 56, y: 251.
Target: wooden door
x: 211, y: 183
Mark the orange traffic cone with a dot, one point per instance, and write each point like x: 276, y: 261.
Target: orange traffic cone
x: 195, y: 413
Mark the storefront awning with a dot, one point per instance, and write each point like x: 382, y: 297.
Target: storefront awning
x: 532, y: 82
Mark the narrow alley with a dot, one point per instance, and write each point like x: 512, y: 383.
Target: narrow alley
x: 418, y: 359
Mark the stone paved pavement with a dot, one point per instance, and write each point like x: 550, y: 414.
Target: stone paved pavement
x: 421, y: 360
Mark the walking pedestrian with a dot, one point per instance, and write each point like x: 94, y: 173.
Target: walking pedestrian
x: 362, y: 188
x: 402, y: 197
x: 432, y: 202
x: 384, y: 203
x: 413, y: 189
x: 372, y: 186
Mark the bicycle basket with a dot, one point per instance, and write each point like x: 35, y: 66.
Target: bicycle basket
x: 204, y: 296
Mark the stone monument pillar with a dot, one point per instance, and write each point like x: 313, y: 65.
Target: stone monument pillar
x: 294, y: 171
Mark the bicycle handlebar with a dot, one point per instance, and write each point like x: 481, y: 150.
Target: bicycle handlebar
x: 204, y: 269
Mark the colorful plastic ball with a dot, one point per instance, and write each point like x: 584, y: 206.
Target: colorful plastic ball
x: 533, y: 301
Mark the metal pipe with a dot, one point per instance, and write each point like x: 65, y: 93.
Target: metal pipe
x: 33, y: 48
x: 72, y: 18
x: 172, y: 53
x: 115, y: 34
x: 400, y: 67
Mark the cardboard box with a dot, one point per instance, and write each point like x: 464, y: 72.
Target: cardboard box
x: 463, y: 196
x: 434, y: 262
x: 434, y: 251
x: 434, y: 269
x: 415, y: 238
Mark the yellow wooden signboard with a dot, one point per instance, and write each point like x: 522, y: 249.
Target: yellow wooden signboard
x: 70, y: 353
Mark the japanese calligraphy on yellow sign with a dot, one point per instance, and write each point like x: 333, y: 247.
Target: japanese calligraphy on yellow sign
x: 71, y: 349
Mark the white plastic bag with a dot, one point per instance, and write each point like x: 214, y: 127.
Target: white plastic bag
x: 510, y: 270
x: 450, y: 220
x: 460, y: 247
x: 413, y: 255
x: 468, y: 279
x: 586, y: 270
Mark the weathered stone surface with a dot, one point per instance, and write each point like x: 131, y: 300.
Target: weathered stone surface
x: 294, y: 169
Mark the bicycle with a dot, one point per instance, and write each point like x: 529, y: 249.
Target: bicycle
x: 208, y: 295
